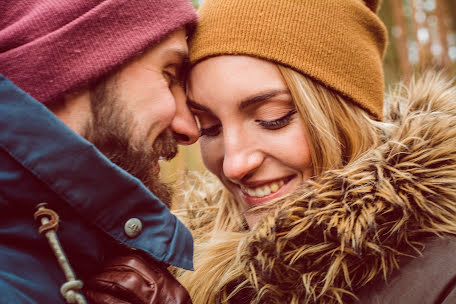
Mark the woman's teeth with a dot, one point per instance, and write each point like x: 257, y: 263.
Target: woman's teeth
x: 263, y: 190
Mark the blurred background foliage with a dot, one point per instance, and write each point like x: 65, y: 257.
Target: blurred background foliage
x: 422, y: 33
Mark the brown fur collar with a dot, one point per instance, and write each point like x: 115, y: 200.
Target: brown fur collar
x: 350, y: 226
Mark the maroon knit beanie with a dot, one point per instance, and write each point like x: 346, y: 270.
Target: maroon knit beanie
x: 52, y: 47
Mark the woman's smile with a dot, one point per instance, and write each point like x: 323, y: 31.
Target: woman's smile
x: 261, y: 192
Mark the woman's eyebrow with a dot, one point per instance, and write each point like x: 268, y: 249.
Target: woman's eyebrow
x: 261, y: 97
x: 244, y: 103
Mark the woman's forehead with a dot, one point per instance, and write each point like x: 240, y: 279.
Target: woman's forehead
x: 233, y: 79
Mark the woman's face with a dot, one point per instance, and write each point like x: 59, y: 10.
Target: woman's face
x: 252, y: 137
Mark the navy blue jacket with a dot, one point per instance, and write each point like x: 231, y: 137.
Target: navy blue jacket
x: 42, y: 160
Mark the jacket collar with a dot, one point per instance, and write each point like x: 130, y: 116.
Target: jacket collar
x: 347, y: 227
x: 353, y: 225
x: 93, y: 186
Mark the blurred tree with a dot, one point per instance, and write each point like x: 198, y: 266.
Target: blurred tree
x: 451, y: 6
x: 442, y: 22
x: 391, y: 61
x: 399, y: 33
x: 422, y: 33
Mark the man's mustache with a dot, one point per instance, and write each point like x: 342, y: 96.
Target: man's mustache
x: 165, y: 145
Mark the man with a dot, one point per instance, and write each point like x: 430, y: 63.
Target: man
x: 90, y: 100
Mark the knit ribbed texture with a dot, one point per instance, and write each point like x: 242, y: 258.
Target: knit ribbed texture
x: 340, y: 43
x: 52, y: 47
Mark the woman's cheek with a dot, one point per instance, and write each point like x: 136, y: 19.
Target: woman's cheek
x: 209, y: 154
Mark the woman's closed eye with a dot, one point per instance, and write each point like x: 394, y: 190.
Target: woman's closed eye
x: 215, y: 129
x: 207, y: 123
x: 211, y: 131
x: 277, y: 123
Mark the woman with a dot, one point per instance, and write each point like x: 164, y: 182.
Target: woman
x: 288, y: 95
x: 323, y: 197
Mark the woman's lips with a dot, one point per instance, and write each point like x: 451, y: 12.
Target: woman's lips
x: 254, y: 201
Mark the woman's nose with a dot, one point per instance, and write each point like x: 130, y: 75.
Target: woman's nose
x: 183, y: 124
x: 242, y: 157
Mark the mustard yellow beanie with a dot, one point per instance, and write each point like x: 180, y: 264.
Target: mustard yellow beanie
x: 339, y: 43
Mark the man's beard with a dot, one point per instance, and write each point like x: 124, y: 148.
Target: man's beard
x: 112, y: 130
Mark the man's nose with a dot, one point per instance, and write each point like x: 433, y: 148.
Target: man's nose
x: 183, y: 124
x: 242, y: 156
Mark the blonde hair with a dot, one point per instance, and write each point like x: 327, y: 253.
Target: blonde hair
x: 339, y: 132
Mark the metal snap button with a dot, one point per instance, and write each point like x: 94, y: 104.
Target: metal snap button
x: 133, y: 227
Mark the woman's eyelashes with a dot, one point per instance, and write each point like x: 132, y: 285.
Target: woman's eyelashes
x: 275, y: 124
x: 205, y: 119
x: 211, y: 131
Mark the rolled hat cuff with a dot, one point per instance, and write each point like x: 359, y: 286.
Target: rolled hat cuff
x: 339, y: 43
x: 92, y: 45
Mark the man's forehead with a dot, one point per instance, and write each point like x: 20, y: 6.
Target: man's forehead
x: 175, y: 42
x: 174, y: 46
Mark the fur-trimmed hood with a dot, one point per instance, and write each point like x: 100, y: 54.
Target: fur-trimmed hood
x: 349, y: 226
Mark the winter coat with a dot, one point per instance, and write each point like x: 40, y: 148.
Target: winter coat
x: 379, y: 230
x: 42, y: 160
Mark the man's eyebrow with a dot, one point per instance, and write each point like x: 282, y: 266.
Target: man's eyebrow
x: 179, y: 61
x: 197, y: 106
x: 261, y: 97
x: 179, y: 53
